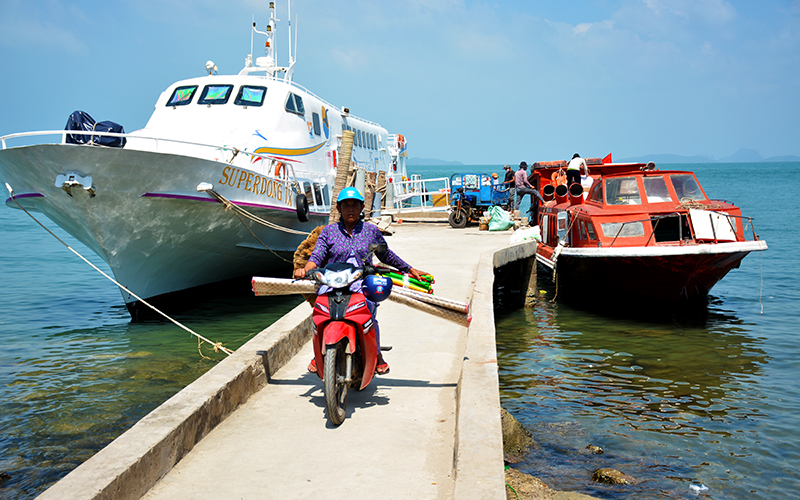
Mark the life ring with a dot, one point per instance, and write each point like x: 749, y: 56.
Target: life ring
x: 401, y: 141
x: 280, y: 169
x: 558, y: 178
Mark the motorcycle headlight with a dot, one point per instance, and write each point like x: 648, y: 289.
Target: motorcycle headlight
x: 340, y: 279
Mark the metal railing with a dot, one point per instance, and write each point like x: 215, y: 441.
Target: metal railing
x: 421, y: 195
x: 692, y: 237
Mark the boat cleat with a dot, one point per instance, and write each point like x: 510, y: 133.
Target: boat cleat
x: 72, y: 180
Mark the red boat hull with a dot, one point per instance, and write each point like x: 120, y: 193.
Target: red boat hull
x: 643, y: 279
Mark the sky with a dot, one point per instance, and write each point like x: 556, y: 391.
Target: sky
x: 478, y: 82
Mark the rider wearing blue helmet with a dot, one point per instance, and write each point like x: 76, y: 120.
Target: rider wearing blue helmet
x: 348, y: 241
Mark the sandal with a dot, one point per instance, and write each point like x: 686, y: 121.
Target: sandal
x: 382, y: 368
x: 312, y: 367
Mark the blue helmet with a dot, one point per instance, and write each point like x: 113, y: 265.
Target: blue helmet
x: 349, y: 193
x: 376, y: 288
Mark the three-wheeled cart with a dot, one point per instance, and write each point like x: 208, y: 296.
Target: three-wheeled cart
x: 472, y: 194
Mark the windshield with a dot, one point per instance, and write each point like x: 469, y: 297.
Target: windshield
x: 686, y: 187
x: 656, y: 189
x: 622, y: 191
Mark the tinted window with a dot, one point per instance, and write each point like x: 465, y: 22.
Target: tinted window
x: 250, y: 96
x: 215, y: 94
x: 298, y: 101
x: 294, y: 104
x: 182, y: 96
x: 315, y: 119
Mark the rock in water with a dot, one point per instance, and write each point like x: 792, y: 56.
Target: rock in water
x: 611, y: 476
x: 516, y: 439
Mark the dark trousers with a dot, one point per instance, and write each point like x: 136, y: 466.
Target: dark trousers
x: 573, y: 176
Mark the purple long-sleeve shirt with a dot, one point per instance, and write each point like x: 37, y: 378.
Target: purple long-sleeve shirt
x: 335, y: 245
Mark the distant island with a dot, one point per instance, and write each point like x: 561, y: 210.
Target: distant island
x: 744, y: 155
x: 430, y: 161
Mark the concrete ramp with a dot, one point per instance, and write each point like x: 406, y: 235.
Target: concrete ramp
x: 429, y: 429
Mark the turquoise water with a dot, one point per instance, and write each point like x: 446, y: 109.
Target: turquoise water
x: 74, y: 371
x: 682, y: 404
x: 711, y: 399
x: 700, y: 405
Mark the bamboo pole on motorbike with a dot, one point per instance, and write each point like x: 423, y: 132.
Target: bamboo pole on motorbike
x: 342, y: 172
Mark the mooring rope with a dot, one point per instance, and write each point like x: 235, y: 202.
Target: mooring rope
x: 217, y: 345
x: 229, y: 205
x: 239, y: 210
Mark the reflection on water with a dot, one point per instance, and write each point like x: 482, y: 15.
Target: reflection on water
x: 672, y: 402
x: 66, y: 393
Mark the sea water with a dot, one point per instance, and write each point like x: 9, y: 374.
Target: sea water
x: 699, y: 406
x: 702, y: 404
x: 75, y: 372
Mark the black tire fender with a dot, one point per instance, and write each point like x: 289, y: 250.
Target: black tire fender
x: 301, y: 204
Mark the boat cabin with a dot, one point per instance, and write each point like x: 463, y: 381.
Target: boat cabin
x: 639, y: 207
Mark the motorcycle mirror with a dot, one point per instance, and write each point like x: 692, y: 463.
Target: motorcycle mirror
x: 379, y: 248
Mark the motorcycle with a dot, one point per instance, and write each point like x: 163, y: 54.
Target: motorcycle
x: 345, y: 343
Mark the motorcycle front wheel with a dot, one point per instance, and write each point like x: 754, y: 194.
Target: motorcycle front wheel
x: 334, y: 383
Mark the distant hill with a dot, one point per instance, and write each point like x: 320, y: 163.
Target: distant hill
x: 744, y: 155
x: 430, y: 161
x: 666, y: 158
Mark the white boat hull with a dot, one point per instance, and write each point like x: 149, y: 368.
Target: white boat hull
x: 145, y: 218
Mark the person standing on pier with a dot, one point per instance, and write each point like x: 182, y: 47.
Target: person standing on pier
x: 348, y: 241
x: 524, y: 187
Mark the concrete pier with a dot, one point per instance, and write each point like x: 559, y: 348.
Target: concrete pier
x: 254, y: 426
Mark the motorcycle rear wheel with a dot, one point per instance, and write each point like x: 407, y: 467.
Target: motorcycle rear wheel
x: 334, y: 383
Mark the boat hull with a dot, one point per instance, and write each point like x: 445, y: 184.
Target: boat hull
x: 146, y: 219
x: 651, y: 275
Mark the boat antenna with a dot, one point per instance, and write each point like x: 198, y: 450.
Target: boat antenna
x: 250, y: 57
x: 290, y: 32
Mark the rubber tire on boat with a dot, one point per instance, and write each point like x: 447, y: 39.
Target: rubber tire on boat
x: 301, y: 203
x: 458, y: 218
x: 334, y: 383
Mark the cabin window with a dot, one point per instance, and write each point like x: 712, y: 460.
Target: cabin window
x: 597, y: 193
x: 622, y: 230
x: 686, y: 187
x: 294, y: 104
x: 622, y: 191
x: 250, y: 95
x: 374, y: 141
x: 590, y: 231
x: 182, y: 96
x: 582, y: 230
x: 315, y: 120
x: 673, y: 227
x: 321, y: 195
x: 655, y: 188
x: 215, y: 94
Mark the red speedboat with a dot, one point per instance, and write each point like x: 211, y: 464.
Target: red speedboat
x: 639, y: 233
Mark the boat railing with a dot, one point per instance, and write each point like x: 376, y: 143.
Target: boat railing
x: 748, y: 221
x: 95, y: 133
x: 214, y: 149
x: 420, y: 195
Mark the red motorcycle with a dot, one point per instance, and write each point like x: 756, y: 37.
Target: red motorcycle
x: 345, y: 344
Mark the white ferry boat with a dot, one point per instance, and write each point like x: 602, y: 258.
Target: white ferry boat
x: 154, y: 207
